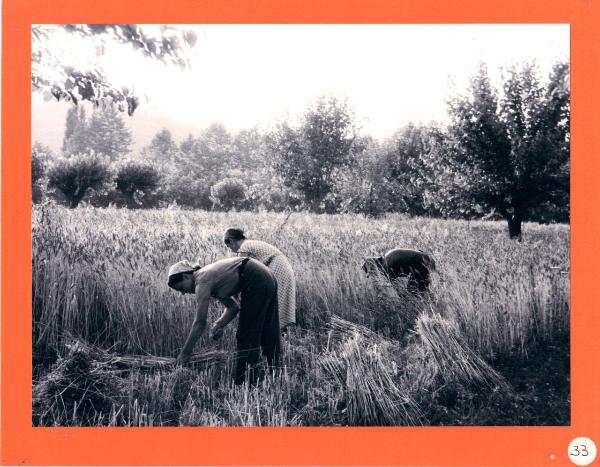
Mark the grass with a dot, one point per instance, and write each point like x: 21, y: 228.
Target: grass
x: 364, y: 351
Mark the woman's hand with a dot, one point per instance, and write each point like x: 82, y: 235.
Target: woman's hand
x: 217, y: 331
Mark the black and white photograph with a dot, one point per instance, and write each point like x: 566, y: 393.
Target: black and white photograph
x: 330, y: 225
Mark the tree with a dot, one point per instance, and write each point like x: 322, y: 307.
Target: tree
x: 136, y: 181
x: 75, y: 139
x: 105, y: 134
x: 203, y: 161
x: 214, y: 152
x: 249, y: 148
x: 210, y: 155
x: 186, y: 190
x: 538, y: 125
x: 41, y: 157
x: 162, y: 148
x: 71, y: 126
x: 214, y: 155
x: 404, y: 153
x: 228, y: 193
x: 507, y: 154
x: 73, y: 176
x: 363, y: 186
x: 55, y: 77
x: 306, y: 157
x: 273, y: 196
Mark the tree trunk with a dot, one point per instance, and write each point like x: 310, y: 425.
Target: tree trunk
x: 129, y: 201
x: 370, y: 208
x: 514, y: 225
x: 315, y: 203
x: 74, y: 200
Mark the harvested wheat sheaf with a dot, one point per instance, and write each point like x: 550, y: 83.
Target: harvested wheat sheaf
x: 361, y: 361
x: 87, y: 380
x: 341, y: 330
x: 453, y: 358
x: 150, y: 362
x: 77, y: 385
x: 366, y: 374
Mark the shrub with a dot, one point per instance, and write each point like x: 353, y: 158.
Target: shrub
x: 73, y: 176
x: 38, y: 165
x: 40, y: 157
x: 227, y: 194
x: 186, y: 190
x: 271, y: 198
x: 137, y: 182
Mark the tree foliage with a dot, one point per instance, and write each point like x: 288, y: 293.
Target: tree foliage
x: 307, y: 157
x: 362, y: 186
x: 506, y: 152
x: 104, y: 133
x: 162, y: 149
x: 137, y: 180
x: 250, y: 159
x: 186, y: 190
x: 56, y: 77
x: 41, y: 157
x: 228, y: 193
x: 76, y: 131
x: 404, y: 175
x: 73, y: 176
x: 273, y: 196
x: 209, y: 156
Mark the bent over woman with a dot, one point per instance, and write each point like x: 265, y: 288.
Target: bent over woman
x: 272, y: 257
x: 258, y: 324
x: 400, y: 262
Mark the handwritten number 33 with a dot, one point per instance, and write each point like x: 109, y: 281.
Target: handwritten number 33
x: 583, y: 451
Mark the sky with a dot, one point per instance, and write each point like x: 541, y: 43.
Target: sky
x: 245, y: 76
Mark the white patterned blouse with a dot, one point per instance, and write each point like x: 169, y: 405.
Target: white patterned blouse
x: 273, y: 258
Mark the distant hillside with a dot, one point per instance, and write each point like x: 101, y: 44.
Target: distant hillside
x: 48, y: 124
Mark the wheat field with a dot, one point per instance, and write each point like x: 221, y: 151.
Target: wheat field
x: 487, y: 346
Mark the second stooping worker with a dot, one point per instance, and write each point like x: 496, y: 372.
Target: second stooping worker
x: 258, y: 324
x: 272, y: 257
x: 403, y: 262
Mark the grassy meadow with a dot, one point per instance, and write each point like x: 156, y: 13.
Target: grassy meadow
x: 489, y: 345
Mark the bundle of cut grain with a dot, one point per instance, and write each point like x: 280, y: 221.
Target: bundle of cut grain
x: 151, y: 362
x: 87, y: 383
x: 77, y: 387
x: 453, y: 359
x: 366, y: 373
x: 341, y: 330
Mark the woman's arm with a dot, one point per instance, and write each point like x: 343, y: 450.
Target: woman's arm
x: 231, y: 310
x: 199, y: 324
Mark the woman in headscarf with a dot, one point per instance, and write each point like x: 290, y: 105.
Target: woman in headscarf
x: 258, y: 324
x: 272, y: 257
x: 403, y: 262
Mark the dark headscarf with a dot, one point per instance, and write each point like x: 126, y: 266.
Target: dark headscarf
x: 235, y: 234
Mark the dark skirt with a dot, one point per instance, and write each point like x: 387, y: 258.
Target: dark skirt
x: 258, y: 325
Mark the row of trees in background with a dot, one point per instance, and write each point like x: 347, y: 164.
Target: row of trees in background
x: 504, y: 153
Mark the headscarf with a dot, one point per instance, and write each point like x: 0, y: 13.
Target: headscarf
x: 182, y: 267
x: 235, y: 234
x: 373, y: 261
